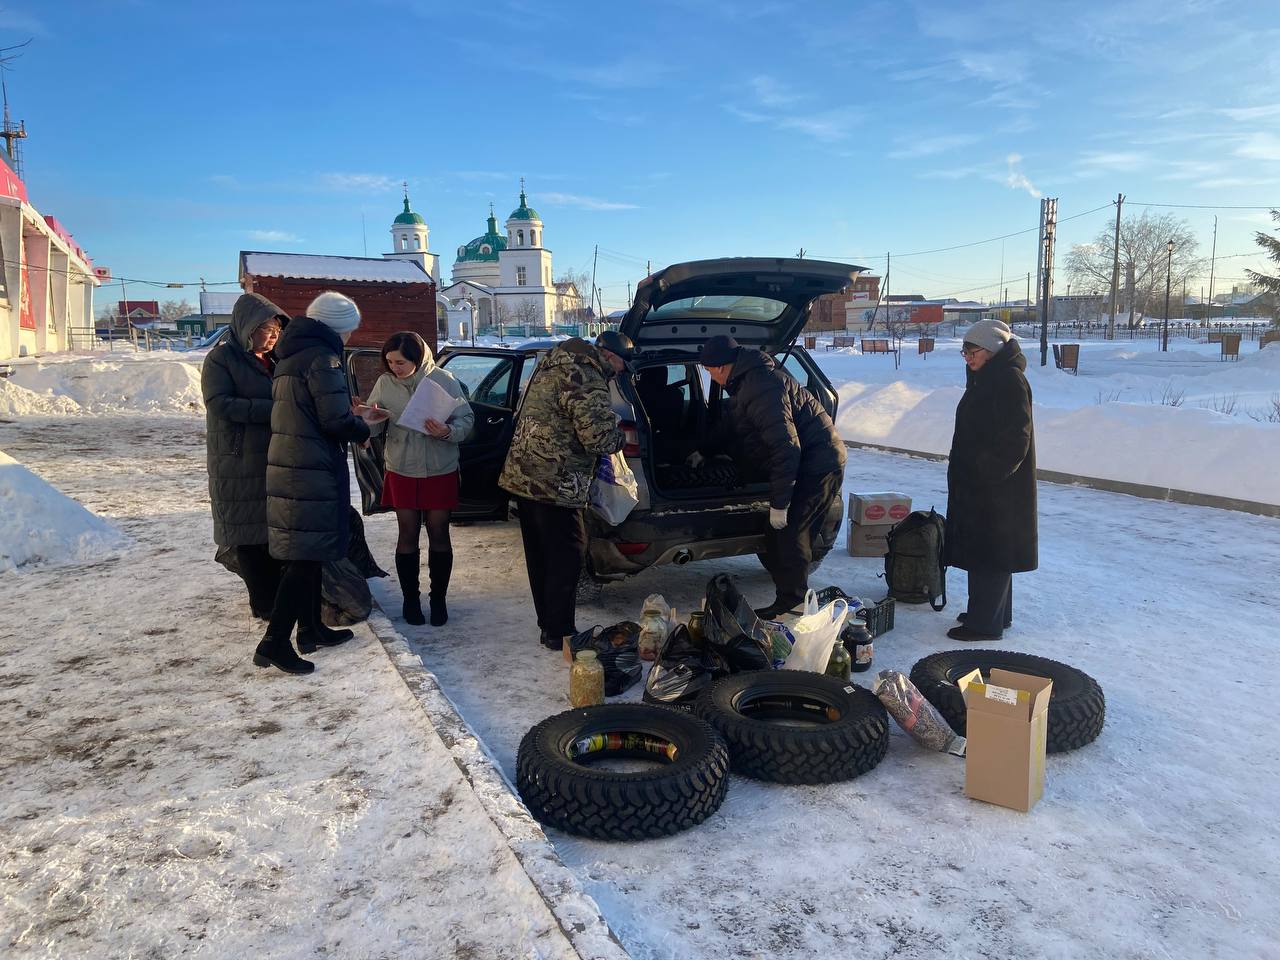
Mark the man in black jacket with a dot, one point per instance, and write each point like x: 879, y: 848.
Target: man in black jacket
x: 781, y: 429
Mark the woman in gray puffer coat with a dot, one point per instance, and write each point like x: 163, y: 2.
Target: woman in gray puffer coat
x: 236, y: 382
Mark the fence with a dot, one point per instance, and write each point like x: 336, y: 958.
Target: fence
x: 1152, y: 331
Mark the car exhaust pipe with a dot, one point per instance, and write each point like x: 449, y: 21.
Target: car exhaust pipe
x: 681, y: 557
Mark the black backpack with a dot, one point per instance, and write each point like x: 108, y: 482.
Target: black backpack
x: 913, y: 567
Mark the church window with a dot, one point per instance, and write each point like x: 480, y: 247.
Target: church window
x: 533, y: 238
x: 520, y: 276
x: 519, y: 238
x: 417, y: 243
x: 485, y: 248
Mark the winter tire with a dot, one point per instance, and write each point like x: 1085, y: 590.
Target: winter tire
x: 788, y: 726
x: 562, y: 789
x: 1077, y: 708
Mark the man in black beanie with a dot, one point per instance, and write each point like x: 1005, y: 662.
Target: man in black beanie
x: 781, y: 428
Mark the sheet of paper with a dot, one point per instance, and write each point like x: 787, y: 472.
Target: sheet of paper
x: 429, y: 402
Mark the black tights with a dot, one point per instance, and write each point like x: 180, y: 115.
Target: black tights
x: 411, y: 521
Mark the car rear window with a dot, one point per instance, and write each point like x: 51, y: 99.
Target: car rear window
x: 722, y: 307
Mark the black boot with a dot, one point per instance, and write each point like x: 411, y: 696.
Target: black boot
x: 407, y: 571
x: 273, y: 652
x: 312, y: 631
x: 439, y: 566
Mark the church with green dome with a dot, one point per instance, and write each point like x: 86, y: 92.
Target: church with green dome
x: 506, y: 277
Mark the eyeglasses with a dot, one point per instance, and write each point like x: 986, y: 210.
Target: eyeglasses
x: 970, y: 351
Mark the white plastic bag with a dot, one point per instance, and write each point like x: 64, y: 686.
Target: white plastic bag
x: 816, y: 634
x: 614, y: 492
x: 655, y: 624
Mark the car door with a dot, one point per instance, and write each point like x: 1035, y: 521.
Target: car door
x: 364, y: 366
x: 804, y: 370
x: 489, y: 379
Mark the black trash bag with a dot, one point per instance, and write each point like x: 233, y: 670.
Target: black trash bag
x: 683, y: 670
x: 732, y: 628
x: 618, y: 650
x: 358, y: 548
x: 369, y: 463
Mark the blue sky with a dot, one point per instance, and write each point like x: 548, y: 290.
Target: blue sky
x: 168, y: 136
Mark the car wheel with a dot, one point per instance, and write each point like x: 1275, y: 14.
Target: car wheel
x: 561, y: 786
x: 1077, y: 708
x: 789, y: 726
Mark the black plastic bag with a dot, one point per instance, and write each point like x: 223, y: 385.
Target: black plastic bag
x: 732, y: 628
x: 618, y: 650
x: 369, y: 466
x: 683, y: 669
x: 358, y: 548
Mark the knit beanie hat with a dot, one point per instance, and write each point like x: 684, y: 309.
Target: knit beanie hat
x: 335, y: 311
x: 989, y: 335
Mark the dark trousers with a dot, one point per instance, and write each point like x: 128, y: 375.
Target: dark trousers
x: 261, y: 574
x: 789, y: 551
x: 990, y: 602
x: 297, y: 600
x: 555, y: 546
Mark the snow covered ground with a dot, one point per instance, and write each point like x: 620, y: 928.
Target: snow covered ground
x: 159, y: 796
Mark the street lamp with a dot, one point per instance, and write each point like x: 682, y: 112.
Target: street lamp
x: 1168, y: 277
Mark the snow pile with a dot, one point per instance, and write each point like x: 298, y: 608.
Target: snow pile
x: 1182, y: 419
x: 141, y: 383
x: 40, y: 525
x: 16, y: 401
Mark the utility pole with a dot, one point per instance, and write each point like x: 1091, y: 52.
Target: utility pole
x: 1168, y: 278
x: 1212, y: 259
x: 594, y: 257
x: 648, y: 268
x: 1049, y: 224
x: 628, y: 293
x: 1115, y: 269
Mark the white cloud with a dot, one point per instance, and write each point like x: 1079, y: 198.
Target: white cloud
x: 582, y: 203
x: 1015, y: 179
x: 929, y: 146
x: 358, y: 182
x: 1252, y: 113
x: 770, y: 93
x: 1260, y: 146
x: 274, y: 236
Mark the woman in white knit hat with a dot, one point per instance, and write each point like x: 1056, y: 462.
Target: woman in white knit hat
x: 308, y: 487
x: 991, y: 481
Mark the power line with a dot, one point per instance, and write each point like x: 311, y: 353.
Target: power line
x: 1202, y: 206
x: 154, y: 283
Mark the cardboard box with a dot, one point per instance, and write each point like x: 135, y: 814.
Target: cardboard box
x: 868, y: 541
x: 1007, y: 720
x: 870, y: 509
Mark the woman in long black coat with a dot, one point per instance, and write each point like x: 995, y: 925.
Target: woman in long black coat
x: 236, y: 382
x: 308, y: 487
x: 991, y: 481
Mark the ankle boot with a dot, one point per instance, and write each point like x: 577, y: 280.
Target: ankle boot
x: 407, y: 571
x: 439, y: 566
x: 274, y: 652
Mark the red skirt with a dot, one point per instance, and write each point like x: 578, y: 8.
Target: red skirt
x: 420, y: 493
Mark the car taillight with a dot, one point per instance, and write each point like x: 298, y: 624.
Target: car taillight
x: 630, y: 440
x: 631, y: 549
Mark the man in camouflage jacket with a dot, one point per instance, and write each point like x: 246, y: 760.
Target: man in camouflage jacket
x: 566, y: 424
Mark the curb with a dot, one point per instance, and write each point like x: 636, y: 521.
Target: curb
x: 1143, y: 490
x: 576, y: 913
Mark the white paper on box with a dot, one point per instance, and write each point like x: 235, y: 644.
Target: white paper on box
x: 429, y: 402
x: 1003, y: 694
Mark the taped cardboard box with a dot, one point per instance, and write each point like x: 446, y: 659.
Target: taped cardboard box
x: 868, y: 541
x: 1006, y: 725
x: 869, y: 509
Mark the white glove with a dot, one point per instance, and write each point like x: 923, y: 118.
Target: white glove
x: 695, y: 460
x: 777, y: 518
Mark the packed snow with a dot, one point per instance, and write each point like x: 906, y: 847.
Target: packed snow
x: 40, y: 525
x: 159, y: 796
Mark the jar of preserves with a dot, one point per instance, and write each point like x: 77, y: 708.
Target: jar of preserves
x: 840, y: 663
x: 586, y: 680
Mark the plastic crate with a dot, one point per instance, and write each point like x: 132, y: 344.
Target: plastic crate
x: 880, y: 617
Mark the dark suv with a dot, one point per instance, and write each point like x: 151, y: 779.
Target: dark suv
x: 669, y: 409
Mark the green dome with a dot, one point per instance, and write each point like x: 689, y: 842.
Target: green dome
x: 524, y: 211
x: 408, y: 216
x: 485, y: 247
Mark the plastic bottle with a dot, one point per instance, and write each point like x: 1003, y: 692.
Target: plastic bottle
x: 840, y: 663
x: 586, y: 680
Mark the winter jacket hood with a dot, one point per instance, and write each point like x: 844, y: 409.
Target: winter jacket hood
x: 250, y: 312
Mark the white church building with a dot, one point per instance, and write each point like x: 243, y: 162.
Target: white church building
x: 507, y: 280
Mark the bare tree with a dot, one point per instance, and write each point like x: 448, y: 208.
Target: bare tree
x: 1144, y: 243
x: 109, y: 316
x: 572, y: 290
x: 502, y: 315
x: 171, y: 310
x: 528, y: 314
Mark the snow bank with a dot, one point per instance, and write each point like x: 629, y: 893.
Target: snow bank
x: 115, y: 385
x: 16, y: 401
x: 1182, y: 419
x: 40, y: 525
